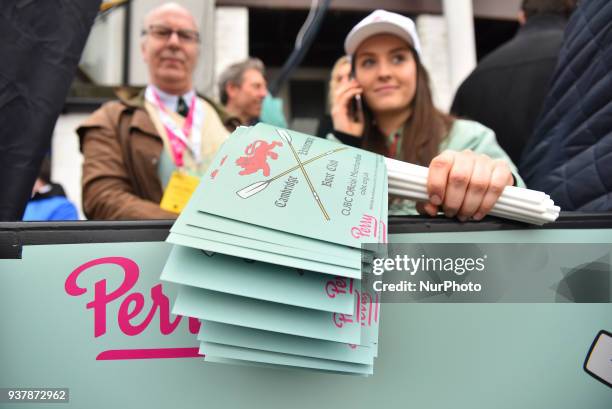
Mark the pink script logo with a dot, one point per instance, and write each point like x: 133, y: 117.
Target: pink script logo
x: 129, y: 309
x: 338, y: 286
x: 370, y: 227
x: 366, y: 311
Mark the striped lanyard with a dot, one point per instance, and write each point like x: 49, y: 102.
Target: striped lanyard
x: 179, y: 138
x: 394, y: 143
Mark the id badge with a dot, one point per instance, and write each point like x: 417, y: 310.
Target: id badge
x: 180, y: 188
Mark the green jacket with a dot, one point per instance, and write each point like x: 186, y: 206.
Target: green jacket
x: 463, y: 135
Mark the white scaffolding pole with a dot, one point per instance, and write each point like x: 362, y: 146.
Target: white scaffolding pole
x: 461, y: 40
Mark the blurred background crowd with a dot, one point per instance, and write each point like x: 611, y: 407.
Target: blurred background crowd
x: 506, y: 64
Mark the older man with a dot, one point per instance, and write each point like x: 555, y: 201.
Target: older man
x: 242, y: 89
x: 157, y: 143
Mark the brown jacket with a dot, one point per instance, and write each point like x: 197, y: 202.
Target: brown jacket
x: 121, y: 150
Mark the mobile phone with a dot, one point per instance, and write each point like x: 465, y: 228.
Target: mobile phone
x: 355, y: 108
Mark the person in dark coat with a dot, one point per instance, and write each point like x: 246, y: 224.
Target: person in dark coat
x: 570, y: 154
x: 506, y: 90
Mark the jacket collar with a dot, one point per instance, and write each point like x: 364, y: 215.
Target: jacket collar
x: 142, y: 122
x: 543, y: 22
x: 134, y: 98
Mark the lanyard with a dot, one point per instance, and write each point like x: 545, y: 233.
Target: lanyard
x: 393, y: 149
x: 177, y: 137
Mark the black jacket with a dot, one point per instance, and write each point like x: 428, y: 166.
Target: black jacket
x: 570, y: 155
x: 507, y: 89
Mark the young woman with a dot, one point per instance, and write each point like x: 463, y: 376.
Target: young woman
x: 396, y: 117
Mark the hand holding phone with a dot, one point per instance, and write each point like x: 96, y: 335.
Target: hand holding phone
x: 347, y: 109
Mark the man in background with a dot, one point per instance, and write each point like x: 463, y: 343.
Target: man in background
x: 147, y: 145
x: 242, y: 89
x: 507, y: 89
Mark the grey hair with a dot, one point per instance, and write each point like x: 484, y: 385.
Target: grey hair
x: 234, y: 73
x: 165, y: 7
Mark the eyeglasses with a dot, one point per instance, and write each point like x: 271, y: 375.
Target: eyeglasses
x: 164, y: 33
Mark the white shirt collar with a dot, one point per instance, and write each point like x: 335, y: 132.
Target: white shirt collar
x: 171, y: 101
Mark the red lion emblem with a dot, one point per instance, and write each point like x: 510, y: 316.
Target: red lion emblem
x: 256, y: 157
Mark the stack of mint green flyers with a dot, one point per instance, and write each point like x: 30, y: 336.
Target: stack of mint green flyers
x: 268, y: 252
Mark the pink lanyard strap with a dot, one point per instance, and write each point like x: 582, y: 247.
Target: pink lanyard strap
x: 178, y: 143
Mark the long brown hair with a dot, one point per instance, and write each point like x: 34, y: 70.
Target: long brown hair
x: 424, y: 130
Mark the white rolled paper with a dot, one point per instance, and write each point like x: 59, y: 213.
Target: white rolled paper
x: 530, y: 206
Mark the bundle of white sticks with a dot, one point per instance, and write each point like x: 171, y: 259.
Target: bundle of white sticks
x: 530, y: 206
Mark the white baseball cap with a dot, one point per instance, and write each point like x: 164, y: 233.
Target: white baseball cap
x: 380, y: 22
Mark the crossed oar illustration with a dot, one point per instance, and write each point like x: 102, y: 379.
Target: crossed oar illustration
x: 261, y: 185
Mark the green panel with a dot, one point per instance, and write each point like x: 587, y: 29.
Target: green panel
x: 431, y: 355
